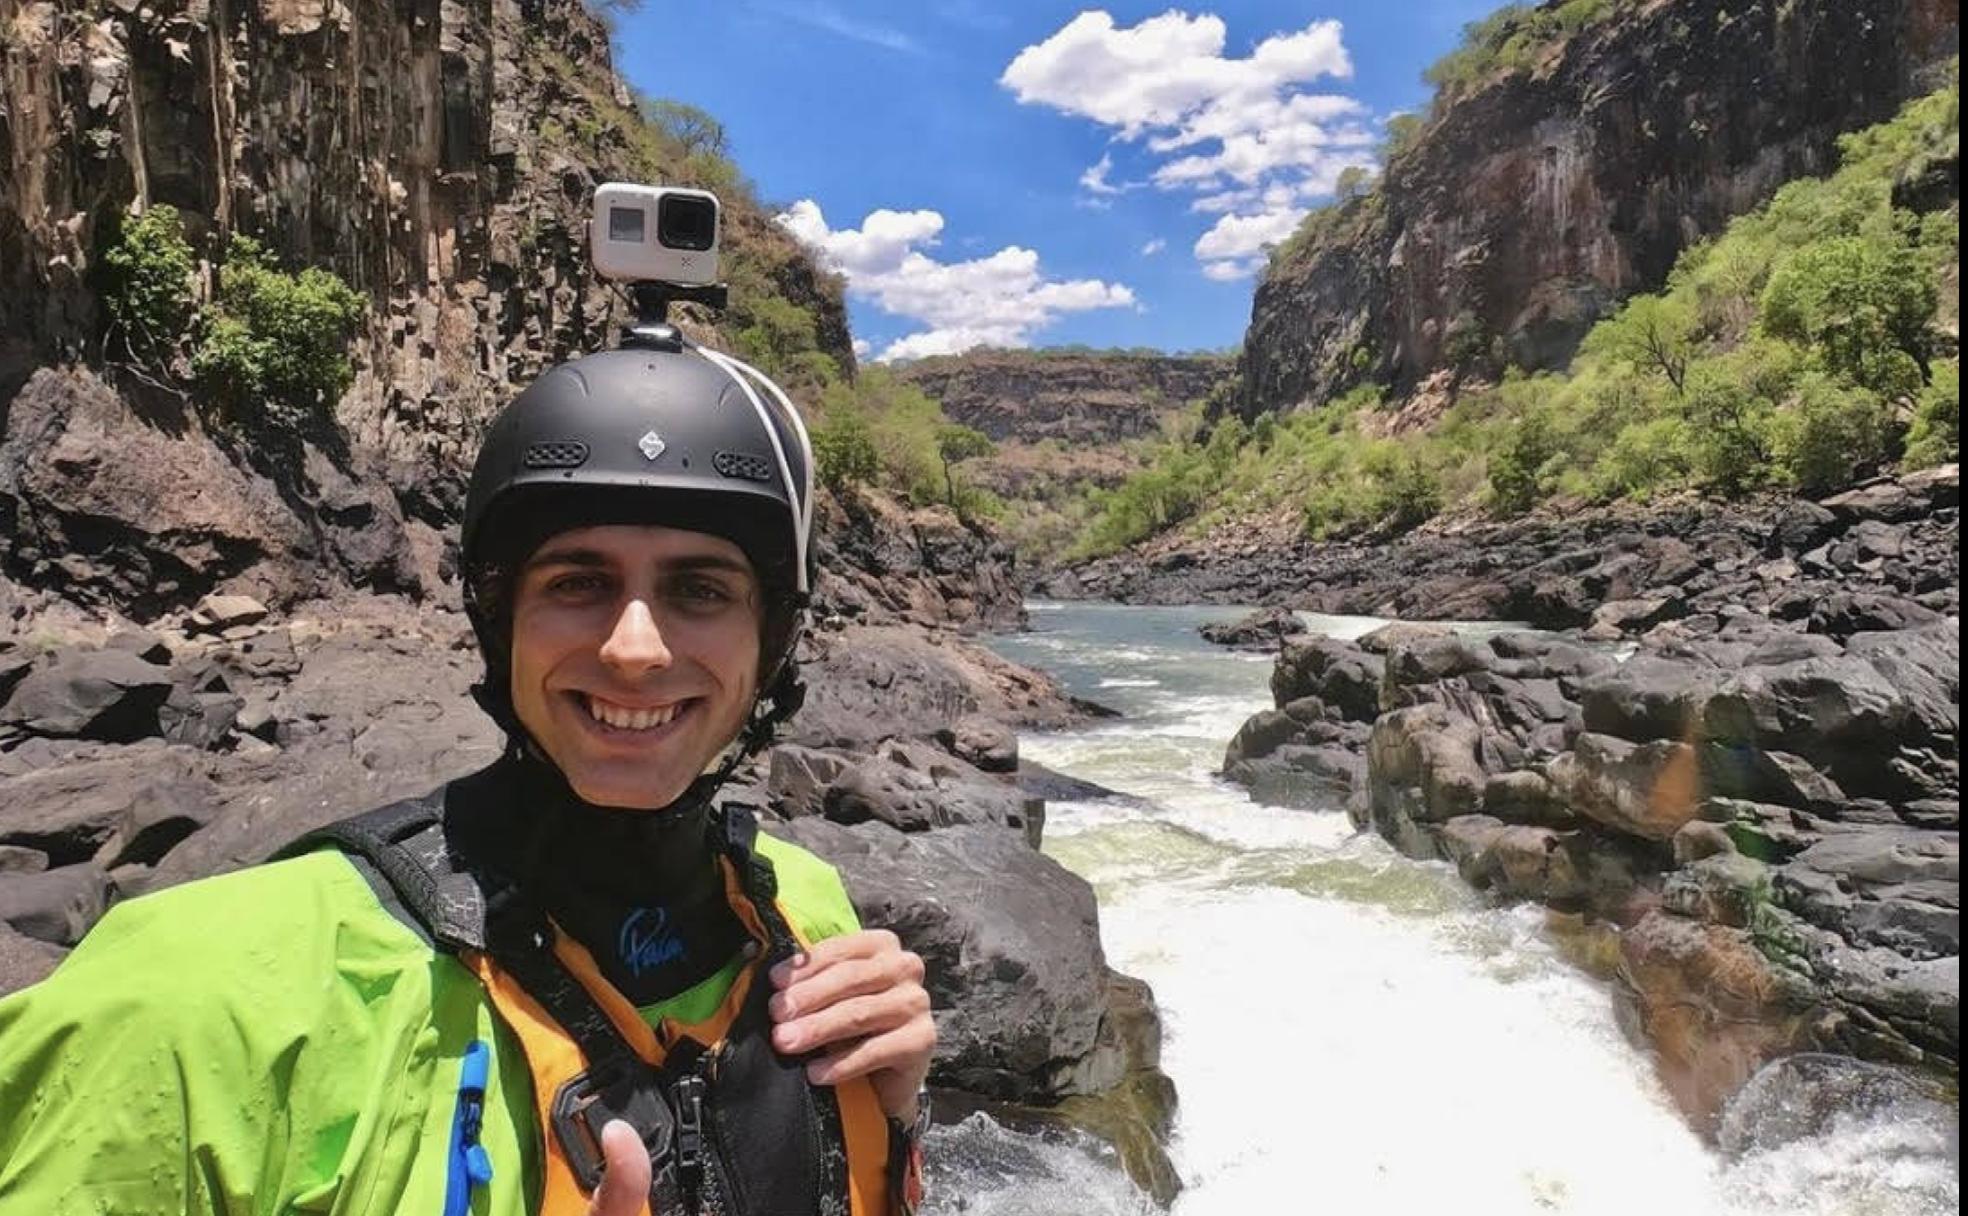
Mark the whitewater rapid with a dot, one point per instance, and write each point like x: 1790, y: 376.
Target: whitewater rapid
x: 1350, y: 1031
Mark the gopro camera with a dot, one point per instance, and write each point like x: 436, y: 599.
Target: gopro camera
x: 655, y: 234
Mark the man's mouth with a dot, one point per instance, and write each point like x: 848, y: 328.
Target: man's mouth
x: 617, y: 717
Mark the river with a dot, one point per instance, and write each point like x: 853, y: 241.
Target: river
x: 1350, y: 1031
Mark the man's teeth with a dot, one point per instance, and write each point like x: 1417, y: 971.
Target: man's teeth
x: 624, y: 718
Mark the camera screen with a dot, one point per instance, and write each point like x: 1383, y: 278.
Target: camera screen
x: 685, y: 222
x: 625, y: 224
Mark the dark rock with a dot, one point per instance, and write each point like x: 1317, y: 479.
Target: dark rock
x: 1296, y: 775
x: 984, y: 743
x: 110, y: 695
x: 1722, y: 888
x: 1341, y: 674
x: 1620, y: 617
x: 1885, y: 500
x: 1466, y: 842
x: 1012, y: 945
x: 897, y: 789
x: 15, y: 859
x: 1812, y: 1095
x: 1535, y: 863
x: 1843, y: 614
x: 1260, y: 735
x: 119, y: 809
x: 1527, y: 796
x: 142, y: 643
x: 1649, y: 698
x: 1038, y: 781
x: 1423, y: 766
x: 24, y: 960
x: 799, y: 777
x: 1699, y: 838
x: 55, y: 906
x: 1265, y: 629
x: 1647, y: 790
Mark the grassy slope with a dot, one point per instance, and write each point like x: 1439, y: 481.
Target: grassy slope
x: 1812, y: 343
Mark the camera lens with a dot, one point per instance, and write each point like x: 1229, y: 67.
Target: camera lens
x: 685, y: 221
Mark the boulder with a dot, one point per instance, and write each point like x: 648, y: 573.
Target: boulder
x: 899, y: 789
x: 24, y: 960
x: 1423, y: 765
x: 218, y: 613
x: 120, y: 809
x: 1535, y: 863
x: 1844, y: 613
x: 1265, y: 629
x: 109, y: 695
x: 1012, y: 943
x: 1813, y: 1095
x: 1714, y: 1008
x: 56, y: 906
x: 1647, y: 790
x: 983, y: 742
x: 1340, y: 674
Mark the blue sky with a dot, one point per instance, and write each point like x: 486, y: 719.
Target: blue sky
x: 1025, y: 173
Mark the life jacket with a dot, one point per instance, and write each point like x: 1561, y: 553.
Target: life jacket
x: 733, y: 1128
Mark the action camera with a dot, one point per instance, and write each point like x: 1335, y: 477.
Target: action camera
x: 655, y: 234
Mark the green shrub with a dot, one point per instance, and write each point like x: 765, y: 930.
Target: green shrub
x: 146, y: 282
x: 1862, y: 304
x: 274, y: 339
x: 1728, y: 431
x: 956, y: 443
x: 1642, y: 460
x: 1517, y: 471
x: 1935, y: 436
x: 1652, y: 333
x: 844, y: 449
x: 1827, y: 432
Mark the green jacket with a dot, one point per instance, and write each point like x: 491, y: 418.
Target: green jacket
x: 274, y: 1040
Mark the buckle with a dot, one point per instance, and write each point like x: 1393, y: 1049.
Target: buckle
x: 583, y: 1106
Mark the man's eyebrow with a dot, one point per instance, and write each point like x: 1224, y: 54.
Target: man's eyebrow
x: 595, y: 559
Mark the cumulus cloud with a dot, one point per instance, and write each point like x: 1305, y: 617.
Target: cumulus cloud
x: 1153, y: 247
x: 999, y: 300
x: 1246, y: 135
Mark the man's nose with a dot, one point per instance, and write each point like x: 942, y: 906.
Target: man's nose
x: 636, y: 644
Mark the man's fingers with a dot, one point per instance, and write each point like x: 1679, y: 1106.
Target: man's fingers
x: 853, y: 1018
x: 866, y: 943
x: 625, y: 1173
x: 907, y: 1045
x: 847, y: 978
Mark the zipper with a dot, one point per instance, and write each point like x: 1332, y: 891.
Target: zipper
x: 470, y: 1166
x: 721, y: 1197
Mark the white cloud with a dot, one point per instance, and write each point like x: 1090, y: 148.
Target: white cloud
x: 1242, y: 134
x: 999, y: 300
x: 1153, y: 247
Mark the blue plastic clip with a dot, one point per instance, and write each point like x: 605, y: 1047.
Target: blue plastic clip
x: 470, y: 1165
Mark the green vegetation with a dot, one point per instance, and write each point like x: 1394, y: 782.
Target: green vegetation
x: 146, y: 283
x: 1510, y: 39
x: 276, y: 341
x: 882, y: 432
x: 1801, y: 349
x: 271, y: 342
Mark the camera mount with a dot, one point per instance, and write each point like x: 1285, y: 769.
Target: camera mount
x: 652, y: 310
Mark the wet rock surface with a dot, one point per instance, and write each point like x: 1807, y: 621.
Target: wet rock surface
x: 1769, y: 817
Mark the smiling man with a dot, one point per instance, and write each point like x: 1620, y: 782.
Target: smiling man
x: 571, y: 983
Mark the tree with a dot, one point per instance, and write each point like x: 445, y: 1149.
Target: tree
x: 693, y: 128
x: 1654, y: 333
x: 278, y: 338
x: 956, y: 443
x: 146, y: 282
x: 1353, y: 182
x: 1861, y: 303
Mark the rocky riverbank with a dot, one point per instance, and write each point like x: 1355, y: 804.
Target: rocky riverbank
x: 1754, y: 806
x: 1886, y: 553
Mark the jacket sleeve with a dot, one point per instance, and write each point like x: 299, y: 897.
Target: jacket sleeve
x: 221, y: 1047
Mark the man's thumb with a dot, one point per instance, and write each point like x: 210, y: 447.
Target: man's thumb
x: 625, y: 1173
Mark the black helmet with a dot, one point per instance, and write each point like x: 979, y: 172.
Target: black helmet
x: 662, y: 432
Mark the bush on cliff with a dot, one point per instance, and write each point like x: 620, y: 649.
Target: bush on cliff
x: 145, y: 280
x: 275, y: 340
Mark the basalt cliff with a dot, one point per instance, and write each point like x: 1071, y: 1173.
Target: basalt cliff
x: 1530, y: 199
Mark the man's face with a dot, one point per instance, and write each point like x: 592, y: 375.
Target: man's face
x: 635, y: 657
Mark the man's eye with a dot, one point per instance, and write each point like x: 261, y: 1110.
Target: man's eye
x: 578, y: 585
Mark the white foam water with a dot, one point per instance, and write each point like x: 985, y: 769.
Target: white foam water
x: 1349, y: 1030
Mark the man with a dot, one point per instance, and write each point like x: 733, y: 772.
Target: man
x: 570, y: 983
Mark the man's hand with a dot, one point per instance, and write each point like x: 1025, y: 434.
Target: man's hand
x: 624, y: 1185
x: 858, y: 1001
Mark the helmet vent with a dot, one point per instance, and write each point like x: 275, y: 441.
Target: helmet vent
x: 743, y: 464
x: 564, y: 455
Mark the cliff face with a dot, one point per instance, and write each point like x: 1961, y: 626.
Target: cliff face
x: 1078, y: 399
x: 1533, y: 201
x: 439, y: 155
